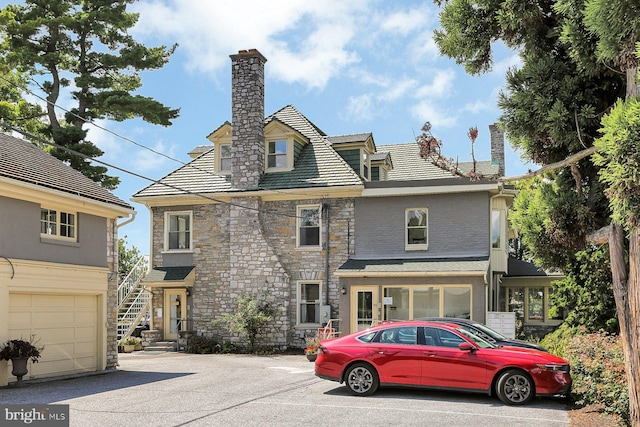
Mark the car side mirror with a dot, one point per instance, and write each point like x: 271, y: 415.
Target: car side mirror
x: 465, y: 346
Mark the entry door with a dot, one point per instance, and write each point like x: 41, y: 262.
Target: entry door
x: 175, y: 307
x: 365, y: 307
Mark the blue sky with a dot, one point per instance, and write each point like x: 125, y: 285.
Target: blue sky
x: 349, y: 66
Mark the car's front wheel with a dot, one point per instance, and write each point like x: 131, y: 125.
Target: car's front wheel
x: 362, y: 379
x: 514, y: 387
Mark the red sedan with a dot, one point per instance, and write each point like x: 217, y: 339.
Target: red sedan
x: 439, y: 356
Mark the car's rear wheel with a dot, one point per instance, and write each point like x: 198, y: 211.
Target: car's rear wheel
x: 514, y: 387
x: 362, y: 379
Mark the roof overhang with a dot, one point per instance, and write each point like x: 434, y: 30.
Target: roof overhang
x: 34, y: 193
x: 422, y: 267
x: 170, y: 277
x: 434, y: 186
x: 266, y: 195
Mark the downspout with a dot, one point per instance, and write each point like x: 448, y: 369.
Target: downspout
x: 325, y: 208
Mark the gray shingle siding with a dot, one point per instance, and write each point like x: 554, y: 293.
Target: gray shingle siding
x: 458, y: 226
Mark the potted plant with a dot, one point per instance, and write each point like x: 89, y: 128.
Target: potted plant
x: 19, y: 352
x: 311, y: 351
x: 129, y: 344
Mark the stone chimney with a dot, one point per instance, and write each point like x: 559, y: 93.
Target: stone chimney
x: 497, y: 147
x: 247, y: 116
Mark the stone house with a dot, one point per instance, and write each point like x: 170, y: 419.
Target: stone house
x: 330, y: 227
x: 58, y: 262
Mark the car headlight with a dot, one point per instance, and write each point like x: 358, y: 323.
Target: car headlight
x: 553, y: 367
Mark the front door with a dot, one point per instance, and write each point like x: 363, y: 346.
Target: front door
x: 365, y: 307
x: 175, y: 307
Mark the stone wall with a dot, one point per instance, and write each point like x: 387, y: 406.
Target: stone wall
x: 112, y: 295
x: 247, y: 119
x: 249, y: 247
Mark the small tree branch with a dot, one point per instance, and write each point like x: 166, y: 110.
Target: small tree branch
x: 599, y: 237
x: 546, y: 168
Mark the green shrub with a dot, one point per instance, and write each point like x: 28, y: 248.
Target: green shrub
x: 229, y: 347
x: 202, y: 345
x: 598, y: 372
x: 558, y: 341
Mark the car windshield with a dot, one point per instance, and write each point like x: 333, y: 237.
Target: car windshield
x: 481, y: 342
x: 493, y: 334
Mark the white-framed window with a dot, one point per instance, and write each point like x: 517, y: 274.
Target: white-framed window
x: 309, y: 293
x: 365, y: 165
x: 177, y: 231
x: 58, y: 224
x: 497, y: 229
x: 225, y: 158
x: 416, y: 230
x: 277, y: 154
x: 308, y: 226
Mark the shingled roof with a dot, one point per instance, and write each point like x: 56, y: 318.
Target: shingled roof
x: 317, y: 166
x: 23, y: 161
x: 408, y: 166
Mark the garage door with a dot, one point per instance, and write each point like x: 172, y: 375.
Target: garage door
x: 65, y: 324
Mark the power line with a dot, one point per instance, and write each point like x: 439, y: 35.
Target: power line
x: 135, y: 174
x: 91, y: 122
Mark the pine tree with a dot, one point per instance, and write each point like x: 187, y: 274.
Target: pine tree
x: 83, y: 46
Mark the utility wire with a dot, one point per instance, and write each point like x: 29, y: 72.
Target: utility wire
x: 135, y: 174
x: 91, y: 122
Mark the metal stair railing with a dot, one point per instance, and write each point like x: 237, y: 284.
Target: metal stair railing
x: 132, y: 280
x: 137, y: 309
x: 133, y: 299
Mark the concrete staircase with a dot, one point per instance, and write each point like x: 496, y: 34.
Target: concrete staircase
x: 162, y: 346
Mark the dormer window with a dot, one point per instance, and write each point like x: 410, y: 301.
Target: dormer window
x: 225, y: 158
x: 277, y: 154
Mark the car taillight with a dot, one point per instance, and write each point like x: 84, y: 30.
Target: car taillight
x: 323, y: 350
x: 553, y: 367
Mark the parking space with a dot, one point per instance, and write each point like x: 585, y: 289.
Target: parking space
x: 176, y: 389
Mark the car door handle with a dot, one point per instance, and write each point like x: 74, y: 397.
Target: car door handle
x: 384, y: 351
x: 430, y: 353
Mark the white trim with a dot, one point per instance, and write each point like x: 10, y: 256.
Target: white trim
x: 317, y: 207
x: 435, y: 189
x: 318, y: 303
x: 416, y: 246
x: 167, y: 215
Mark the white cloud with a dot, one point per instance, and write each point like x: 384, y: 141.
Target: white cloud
x: 440, y: 87
x: 405, y: 22
x: 434, y: 113
x: 208, y: 32
x: 360, y: 108
x: 478, y: 106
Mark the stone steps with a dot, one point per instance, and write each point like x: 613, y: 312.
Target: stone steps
x: 161, y: 346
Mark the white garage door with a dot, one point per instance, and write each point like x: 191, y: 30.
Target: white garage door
x: 65, y: 324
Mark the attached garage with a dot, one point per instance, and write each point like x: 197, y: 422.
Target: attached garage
x: 65, y: 324
x: 60, y: 307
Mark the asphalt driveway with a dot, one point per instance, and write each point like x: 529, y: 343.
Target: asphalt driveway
x: 177, y: 389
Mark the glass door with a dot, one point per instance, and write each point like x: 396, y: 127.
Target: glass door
x: 365, y: 307
x: 175, y: 308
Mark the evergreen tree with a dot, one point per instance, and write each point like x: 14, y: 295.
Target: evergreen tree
x: 83, y: 46
x: 578, y: 61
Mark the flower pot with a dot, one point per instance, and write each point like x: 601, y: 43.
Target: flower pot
x: 138, y: 347
x: 312, y: 357
x: 19, y: 365
x: 129, y: 348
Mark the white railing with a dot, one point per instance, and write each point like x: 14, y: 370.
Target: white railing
x: 133, y: 299
x: 137, y: 310
x: 132, y: 280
